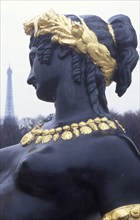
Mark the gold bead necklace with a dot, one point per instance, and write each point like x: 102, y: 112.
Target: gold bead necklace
x: 67, y: 132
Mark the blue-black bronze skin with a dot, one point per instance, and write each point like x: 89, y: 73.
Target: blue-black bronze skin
x: 85, y: 177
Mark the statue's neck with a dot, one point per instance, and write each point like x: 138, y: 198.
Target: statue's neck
x: 72, y: 105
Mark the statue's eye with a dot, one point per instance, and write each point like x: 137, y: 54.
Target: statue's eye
x: 31, y: 58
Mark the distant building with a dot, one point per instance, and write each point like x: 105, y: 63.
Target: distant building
x: 9, y: 108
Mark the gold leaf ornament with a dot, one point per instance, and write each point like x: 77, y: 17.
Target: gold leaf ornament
x: 85, y: 130
x: 56, y: 136
x: 112, y: 124
x: 107, y: 218
x: 47, y: 138
x: 82, y: 123
x: 77, y: 30
x: 35, y: 131
x: 93, y: 126
x: 67, y: 135
x: 135, y: 212
x: 66, y: 128
x: 103, y: 126
x: 27, y: 139
x: 105, y: 119
x: 128, y: 212
x: 120, y: 214
x: 89, y: 121
x: 75, y: 131
x: 67, y: 132
x: 97, y: 120
x: 39, y: 139
x: 45, y: 132
x: 51, y: 131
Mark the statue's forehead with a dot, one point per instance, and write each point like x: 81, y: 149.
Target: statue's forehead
x: 36, y: 41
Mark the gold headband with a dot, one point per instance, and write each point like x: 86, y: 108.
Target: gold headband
x: 110, y: 28
x: 76, y: 35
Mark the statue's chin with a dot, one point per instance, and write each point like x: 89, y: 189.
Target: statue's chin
x: 46, y: 93
x: 46, y: 97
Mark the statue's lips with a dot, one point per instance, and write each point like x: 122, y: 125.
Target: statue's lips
x: 34, y: 83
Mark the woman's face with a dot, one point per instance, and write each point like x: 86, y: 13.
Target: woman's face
x: 45, y: 77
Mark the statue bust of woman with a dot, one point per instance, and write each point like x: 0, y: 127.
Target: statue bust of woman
x: 80, y: 165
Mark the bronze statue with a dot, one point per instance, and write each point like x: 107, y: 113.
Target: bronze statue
x: 80, y: 165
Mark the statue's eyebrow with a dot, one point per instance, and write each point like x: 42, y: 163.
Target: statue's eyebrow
x: 32, y: 52
x: 32, y: 55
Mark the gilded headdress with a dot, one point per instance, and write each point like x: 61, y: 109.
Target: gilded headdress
x: 76, y: 35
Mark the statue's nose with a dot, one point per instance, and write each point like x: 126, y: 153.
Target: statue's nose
x: 31, y: 78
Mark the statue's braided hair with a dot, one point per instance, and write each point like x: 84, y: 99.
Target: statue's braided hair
x: 127, y: 56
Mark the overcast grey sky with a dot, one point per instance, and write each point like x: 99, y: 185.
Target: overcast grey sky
x: 14, y: 48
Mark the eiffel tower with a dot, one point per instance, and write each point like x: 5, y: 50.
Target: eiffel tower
x: 9, y: 108
x: 10, y: 129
